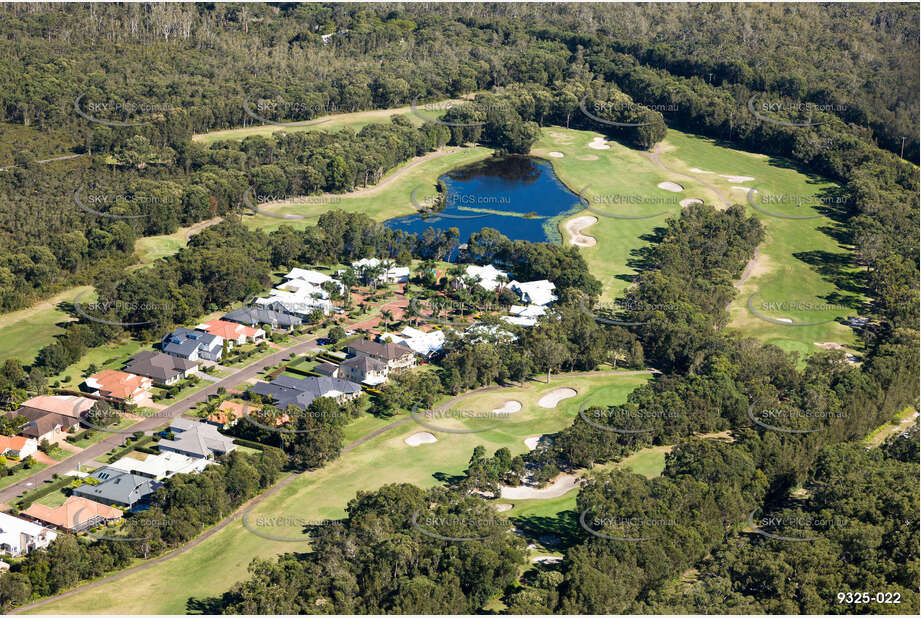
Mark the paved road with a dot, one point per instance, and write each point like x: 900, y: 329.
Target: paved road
x: 148, y: 425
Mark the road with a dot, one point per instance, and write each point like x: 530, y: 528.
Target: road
x: 148, y: 425
x: 42, y: 161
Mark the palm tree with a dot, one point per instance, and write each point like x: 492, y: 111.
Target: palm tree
x: 349, y: 278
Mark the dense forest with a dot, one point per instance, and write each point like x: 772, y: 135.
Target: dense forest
x: 165, y: 72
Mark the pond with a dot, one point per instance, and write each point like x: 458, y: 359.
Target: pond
x: 519, y: 196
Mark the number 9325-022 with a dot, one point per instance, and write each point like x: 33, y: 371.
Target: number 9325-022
x: 886, y: 598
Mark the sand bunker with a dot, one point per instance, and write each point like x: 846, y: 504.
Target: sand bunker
x: 736, y: 178
x: 700, y: 171
x: 556, y: 155
x: 561, y: 485
x: 689, y: 201
x: 587, y: 157
x: 738, y: 188
x: 575, y: 227
x: 504, y: 507
x: 509, y: 407
x: 830, y: 345
x: 598, y: 144
x: 551, y: 399
x: 531, y: 443
x: 788, y: 320
x: 547, y: 559
x: 674, y: 187
x: 423, y: 437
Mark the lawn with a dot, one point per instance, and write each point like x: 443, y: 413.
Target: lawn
x: 23, y: 333
x: 98, y: 435
x: 223, y: 559
x: 21, y: 474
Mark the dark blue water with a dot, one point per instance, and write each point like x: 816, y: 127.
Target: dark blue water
x: 519, y: 196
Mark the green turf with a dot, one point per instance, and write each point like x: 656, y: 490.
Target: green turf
x: 222, y: 560
x: 109, y: 356
x: 23, y: 333
x: 19, y: 475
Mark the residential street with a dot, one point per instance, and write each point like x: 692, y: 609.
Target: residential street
x: 89, y: 454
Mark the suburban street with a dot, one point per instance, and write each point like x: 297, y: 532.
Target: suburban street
x: 89, y: 454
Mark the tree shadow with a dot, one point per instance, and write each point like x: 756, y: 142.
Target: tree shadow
x: 451, y: 480
x: 204, y: 606
x: 565, y: 526
x: 838, y: 269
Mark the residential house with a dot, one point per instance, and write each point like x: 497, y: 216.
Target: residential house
x: 524, y: 315
x: 232, y: 332
x: 397, y: 356
x: 193, y: 345
x: 18, y: 536
x: 161, y: 368
x: 364, y: 370
x: 489, y: 277
x: 227, y: 414
x: 51, y: 417
x: 260, y: 316
x: 534, y: 292
x: 423, y: 343
x: 329, y: 370
x: 162, y: 466
x: 286, y: 391
x: 75, y: 515
x: 390, y: 273
x: 116, y: 487
x: 119, y: 385
x: 18, y: 447
x: 310, y: 276
x: 302, y: 303
x: 195, y: 439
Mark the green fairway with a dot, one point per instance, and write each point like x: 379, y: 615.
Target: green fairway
x: 23, y: 333
x: 321, y: 495
x: 804, y: 272
x: 331, y: 123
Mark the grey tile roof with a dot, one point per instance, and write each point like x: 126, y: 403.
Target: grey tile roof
x: 158, y: 366
x: 184, y: 341
x: 326, y: 369
x: 117, y: 487
x: 300, y: 392
x: 365, y: 364
x: 252, y: 316
x: 386, y: 351
x: 196, y: 439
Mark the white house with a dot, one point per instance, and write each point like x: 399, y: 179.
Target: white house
x: 19, y: 537
x: 164, y: 465
x: 19, y: 447
x: 312, y: 277
x: 422, y: 343
x: 524, y: 315
x: 535, y: 292
x: 392, y: 274
x: 301, y: 303
x: 488, y: 276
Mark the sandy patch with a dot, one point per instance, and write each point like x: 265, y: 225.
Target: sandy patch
x: 551, y: 399
x: 504, y: 507
x: 674, y: 187
x: 555, y: 154
x: 575, y: 226
x: 788, y: 320
x: 829, y: 345
x: 700, y: 171
x: 509, y: 407
x: 598, y: 144
x: 587, y: 157
x: 531, y: 443
x: 691, y: 200
x: 746, y: 189
x: 423, y: 437
x: 562, y: 484
x: 736, y: 178
x: 547, y: 559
